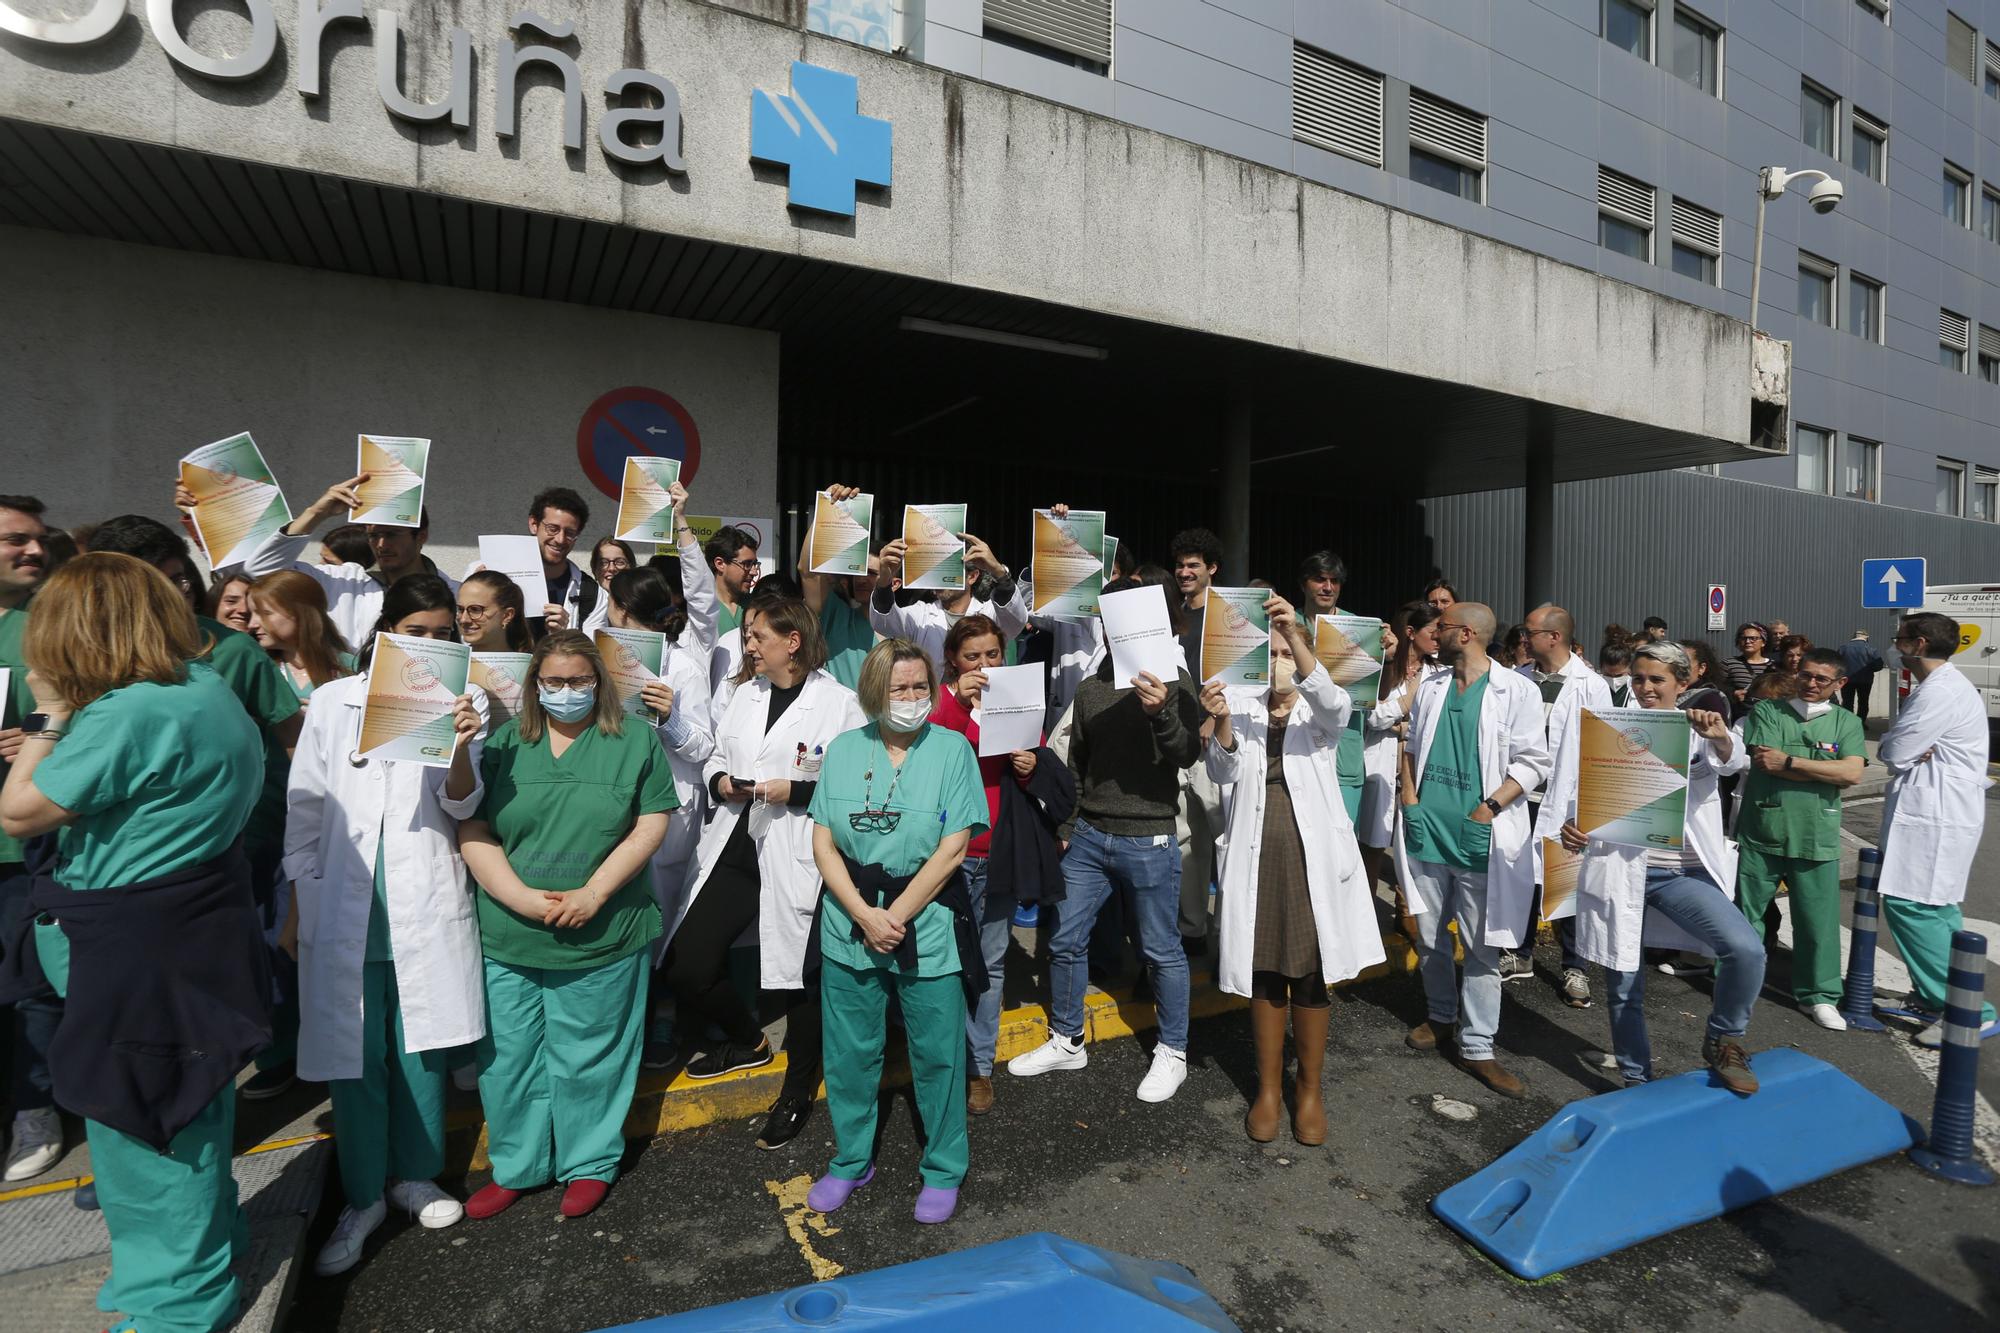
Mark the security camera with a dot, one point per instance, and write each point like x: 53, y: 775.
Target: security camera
x: 1826, y: 196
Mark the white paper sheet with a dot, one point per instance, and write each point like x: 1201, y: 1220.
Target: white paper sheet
x: 1139, y: 635
x: 519, y: 557
x: 1011, y: 708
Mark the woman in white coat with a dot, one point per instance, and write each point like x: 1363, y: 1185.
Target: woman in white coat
x: 1296, y: 915
x: 755, y: 864
x: 1631, y: 898
x: 1404, y: 667
x: 383, y: 928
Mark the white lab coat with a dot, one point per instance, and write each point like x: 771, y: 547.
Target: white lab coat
x: 353, y: 595
x: 926, y: 623
x: 1936, y: 807
x: 725, y: 659
x: 673, y: 864
x: 1582, y: 688
x: 788, y: 877
x: 339, y: 813
x: 1613, y: 925
x: 1343, y: 910
x: 1512, y: 744
x: 1388, y: 711
x: 1380, y: 757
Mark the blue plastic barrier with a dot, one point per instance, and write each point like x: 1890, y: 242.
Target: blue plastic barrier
x: 1613, y: 1170
x: 1949, y: 1151
x: 1042, y: 1281
x: 1857, y: 1001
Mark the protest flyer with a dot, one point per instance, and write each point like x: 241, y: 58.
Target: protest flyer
x: 1560, y: 867
x: 393, y: 495
x: 1068, y: 563
x: 635, y: 658
x: 1236, y: 637
x: 1139, y: 636
x: 933, y: 552
x: 1011, y: 708
x: 705, y: 526
x: 1632, y: 776
x: 519, y: 557
x: 839, y: 541
x: 237, y: 503
x: 504, y: 677
x: 645, y: 514
x: 1110, y: 559
x: 1350, y: 648
x: 412, y: 685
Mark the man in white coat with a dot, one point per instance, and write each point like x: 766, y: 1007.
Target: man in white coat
x: 1935, y: 809
x: 1477, y: 747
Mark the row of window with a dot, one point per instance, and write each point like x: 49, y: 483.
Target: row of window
x: 1827, y: 463
x: 1338, y: 107
x: 1819, y: 129
x: 1693, y: 49
x: 1962, y: 55
x: 1964, y: 492
x: 1625, y: 224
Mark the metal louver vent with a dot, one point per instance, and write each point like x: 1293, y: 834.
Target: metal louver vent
x: 1629, y: 199
x: 1952, y: 329
x: 1080, y: 27
x: 1336, y: 106
x: 1961, y: 47
x: 1696, y: 226
x: 1447, y: 130
x: 1869, y: 125
x: 1989, y: 340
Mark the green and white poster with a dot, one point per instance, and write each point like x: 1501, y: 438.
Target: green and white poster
x: 1236, y: 637
x: 1632, y: 776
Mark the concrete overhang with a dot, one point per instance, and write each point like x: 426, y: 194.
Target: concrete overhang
x: 1357, y: 320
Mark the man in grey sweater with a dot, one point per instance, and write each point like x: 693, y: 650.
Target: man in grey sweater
x: 1128, y: 744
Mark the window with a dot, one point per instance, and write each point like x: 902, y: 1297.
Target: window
x: 1447, y: 147
x: 1985, y: 494
x: 1628, y: 25
x: 1989, y: 354
x: 1877, y: 9
x: 1812, y: 457
x: 1993, y: 70
x: 1819, y: 115
x: 1956, y: 201
x: 1953, y: 337
x: 1625, y: 215
x: 1697, y: 243
x: 1871, y: 146
x: 1989, y: 214
x: 1077, y: 32
x: 1697, y: 52
x: 1816, y: 287
x: 1950, y: 488
x: 1336, y: 106
x: 1860, y: 469
x: 1864, y: 307
x: 1961, y: 47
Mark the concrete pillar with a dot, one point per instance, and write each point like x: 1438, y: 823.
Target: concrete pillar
x: 1238, y: 430
x: 1538, y: 584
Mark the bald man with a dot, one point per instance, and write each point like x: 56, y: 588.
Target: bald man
x: 1477, y: 746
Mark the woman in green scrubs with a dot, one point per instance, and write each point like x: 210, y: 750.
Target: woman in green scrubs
x: 897, y: 803
x: 143, y: 765
x: 576, y: 804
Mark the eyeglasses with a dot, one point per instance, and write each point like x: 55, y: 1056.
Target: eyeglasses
x: 874, y: 821
x: 615, y: 562
x: 557, y: 530
x: 747, y: 566
x: 566, y: 682
x: 1749, y: 638
x: 1442, y: 626
x: 474, y: 612
x: 1815, y: 678
x: 1538, y: 633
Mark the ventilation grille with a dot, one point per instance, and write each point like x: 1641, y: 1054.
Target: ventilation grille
x: 1696, y: 226
x: 1993, y: 59
x: 1625, y: 197
x: 1448, y: 131
x: 1989, y: 340
x: 1961, y: 47
x: 1336, y: 106
x: 1080, y: 27
x: 1952, y: 329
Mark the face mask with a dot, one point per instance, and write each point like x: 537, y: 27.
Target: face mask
x: 1284, y: 673
x: 1812, y: 710
x: 908, y: 714
x: 567, y: 705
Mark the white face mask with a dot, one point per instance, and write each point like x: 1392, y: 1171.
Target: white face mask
x: 1811, y: 710
x: 908, y: 714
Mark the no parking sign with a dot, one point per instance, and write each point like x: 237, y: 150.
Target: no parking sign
x: 1718, y: 606
x: 635, y: 420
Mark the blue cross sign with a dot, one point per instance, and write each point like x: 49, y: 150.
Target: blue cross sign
x: 1892, y: 585
x: 817, y: 130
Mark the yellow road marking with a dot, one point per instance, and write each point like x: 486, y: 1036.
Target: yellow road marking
x: 791, y: 1197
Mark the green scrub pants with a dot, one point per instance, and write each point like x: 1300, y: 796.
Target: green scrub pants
x: 389, y: 1123
x: 1923, y: 932
x: 557, y: 1068
x: 1350, y: 797
x: 854, y: 1011
x: 1815, y: 895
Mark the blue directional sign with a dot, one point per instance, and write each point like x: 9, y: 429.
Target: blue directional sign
x: 818, y: 131
x: 1893, y: 585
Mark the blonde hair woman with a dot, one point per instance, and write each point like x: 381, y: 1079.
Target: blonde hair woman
x: 288, y: 616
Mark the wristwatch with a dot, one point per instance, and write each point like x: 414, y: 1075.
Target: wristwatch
x: 40, y: 726
x: 1492, y: 805
x: 1788, y: 762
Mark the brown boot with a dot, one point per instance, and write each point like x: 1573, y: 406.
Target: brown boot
x: 1430, y: 1035
x: 1267, y: 1025
x: 1731, y: 1064
x: 978, y: 1094
x: 1493, y: 1076
x: 1308, y: 1112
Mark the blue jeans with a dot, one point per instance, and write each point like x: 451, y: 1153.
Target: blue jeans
x: 995, y: 916
x: 1097, y: 864
x: 1691, y: 901
x: 1473, y: 1004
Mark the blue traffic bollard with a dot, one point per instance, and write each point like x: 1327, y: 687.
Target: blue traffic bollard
x: 1857, y: 1001
x: 1949, y: 1152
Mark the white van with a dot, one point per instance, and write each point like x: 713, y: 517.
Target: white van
x: 1976, y: 608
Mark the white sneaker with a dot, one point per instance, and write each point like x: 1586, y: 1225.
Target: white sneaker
x: 423, y: 1200
x: 1827, y: 1017
x: 350, y: 1234
x: 1164, y: 1079
x: 1058, y: 1052
x: 38, y: 1143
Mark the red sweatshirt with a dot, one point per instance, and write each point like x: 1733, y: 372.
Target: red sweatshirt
x: 993, y: 769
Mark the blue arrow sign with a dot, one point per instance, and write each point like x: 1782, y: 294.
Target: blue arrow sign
x: 1893, y: 585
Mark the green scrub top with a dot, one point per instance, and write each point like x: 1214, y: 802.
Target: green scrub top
x: 259, y: 684
x: 161, y: 778
x: 304, y: 688
x: 727, y: 618
x: 18, y: 701
x: 1441, y: 828
x: 1796, y: 819
x: 849, y: 636
x: 558, y: 819
x: 938, y: 793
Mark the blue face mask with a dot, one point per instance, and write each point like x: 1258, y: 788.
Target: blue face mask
x: 566, y: 704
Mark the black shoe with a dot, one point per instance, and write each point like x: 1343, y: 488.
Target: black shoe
x: 85, y: 1197
x: 787, y: 1118
x: 268, y: 1083
x: 728, y: 1058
